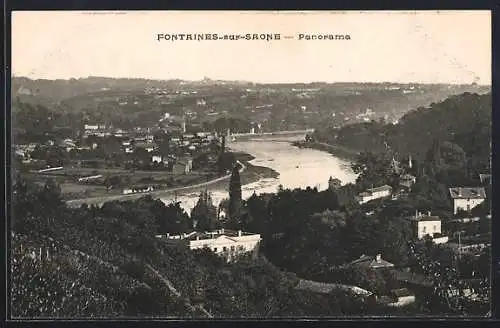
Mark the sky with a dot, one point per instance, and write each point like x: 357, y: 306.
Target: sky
x: 406, y: 47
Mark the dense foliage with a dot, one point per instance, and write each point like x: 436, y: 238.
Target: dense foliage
x: 94, y: 262
x: 454, y: 131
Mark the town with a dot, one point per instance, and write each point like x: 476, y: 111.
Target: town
x: 409, y: 223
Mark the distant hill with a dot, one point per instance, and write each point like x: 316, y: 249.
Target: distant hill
x: 287, y: 106
x: 464, y: 120
x: 57, y: 90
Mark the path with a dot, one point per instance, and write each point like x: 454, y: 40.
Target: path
x: 158, y: 193
x: 177, y: 294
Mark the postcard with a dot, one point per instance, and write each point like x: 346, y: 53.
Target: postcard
x: 250, y: 164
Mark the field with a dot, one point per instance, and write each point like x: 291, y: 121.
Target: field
x: 71, y: 188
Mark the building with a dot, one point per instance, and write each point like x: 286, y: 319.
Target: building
x: 485, y: 178
x: 137, y: 189
x: 466, y: 199
x: 226, y: 243
x: 428, y: 225
x: 89, y: 127
x: 375, y: 193
x: 149, y: 147
x: 183, y: 166
x: 407, y: 180
x: 371, y: 262
x: 89, y: 178
x: 156, y: 159
x: 401, y: 297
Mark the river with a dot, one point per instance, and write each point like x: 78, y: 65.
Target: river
x: 298, y: 168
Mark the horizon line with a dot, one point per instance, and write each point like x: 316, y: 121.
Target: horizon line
x: 243, y: 81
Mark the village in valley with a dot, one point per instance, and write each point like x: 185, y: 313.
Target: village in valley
x: 254, y: 179
x: 399, y: 232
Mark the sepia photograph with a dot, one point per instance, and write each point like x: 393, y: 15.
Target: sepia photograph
x: 180, y: 165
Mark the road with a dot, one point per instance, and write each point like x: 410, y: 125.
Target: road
x: 103, y: 199
x: 326, y: 288
x: 267, y: 136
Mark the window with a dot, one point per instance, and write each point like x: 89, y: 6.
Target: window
x: 224, y: 249
x: 241, y: 248
x: 435, y: 228
x: 424, y: 229
x: 232, y: 248
x: 215, y: 249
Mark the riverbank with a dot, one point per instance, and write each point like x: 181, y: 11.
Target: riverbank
x: 249, y: 173
x: 336, y: 150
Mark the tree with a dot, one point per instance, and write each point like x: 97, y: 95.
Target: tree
x: 204, y: 213
x: 373, y: 169
x: 113, y: 181
x: 235, y: 198
x: 452, y: 154
x: 176, y: 220
x: 448, y: 296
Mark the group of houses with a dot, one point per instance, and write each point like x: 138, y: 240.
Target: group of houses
x: 396, y: 297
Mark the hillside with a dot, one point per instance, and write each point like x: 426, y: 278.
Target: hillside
x: 105, y: 262
x: 275, y: 106
x: 463, y: 120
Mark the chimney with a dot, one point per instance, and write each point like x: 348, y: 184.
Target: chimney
x: 459, y: 191
x: 428, y: 213
x: 239, y: 233
x: 222, y: 231
x: 378, y: 258
x: 197, y: 237
x: 168, y: 234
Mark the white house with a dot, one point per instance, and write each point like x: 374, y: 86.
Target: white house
x: 156, y: 159
x: 226, y: 243
x: 428, y: 225
x: 466, y: 198
x: 375, y: 193
x: 91, y: 127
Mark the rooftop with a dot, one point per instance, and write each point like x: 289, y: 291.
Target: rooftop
x: 425, y: 218
x: 371, y: 262
x: 467, y: 192
x: 381, y: 188
x: 145, y: 145
x: 377, y: 189
x: 197, y: 235
x: 401, y: 292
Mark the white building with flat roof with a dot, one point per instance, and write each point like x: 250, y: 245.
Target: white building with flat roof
x: 226, y: 243
x: 375, y: 193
